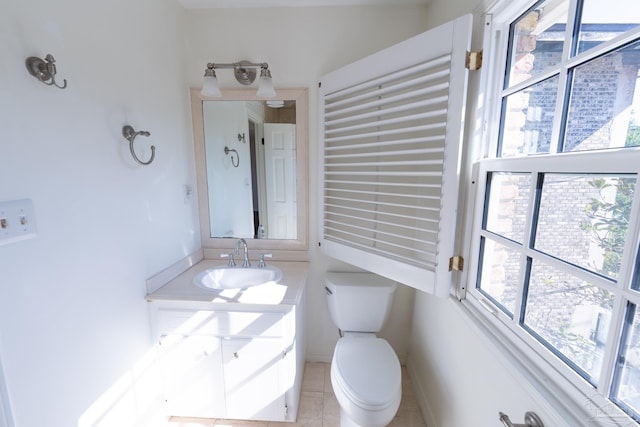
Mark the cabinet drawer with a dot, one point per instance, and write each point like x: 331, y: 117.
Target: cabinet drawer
x: 221, y: 323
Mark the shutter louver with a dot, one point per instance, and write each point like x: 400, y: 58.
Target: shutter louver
x: 385, y: 147
x: 383, y: 165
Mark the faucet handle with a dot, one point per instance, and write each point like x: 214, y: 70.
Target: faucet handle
x: 232, y: 261
x: 261, y: 263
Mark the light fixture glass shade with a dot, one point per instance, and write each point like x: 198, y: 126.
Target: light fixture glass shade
x: 210, y: 84
x: 276, y: 103
x: 265, y: 88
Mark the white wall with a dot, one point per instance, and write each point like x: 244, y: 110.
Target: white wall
x: 74, y: 329
x: 301, y: 45
x: 228, y: 184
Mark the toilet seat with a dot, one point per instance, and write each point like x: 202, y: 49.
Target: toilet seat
x: 367, y: 371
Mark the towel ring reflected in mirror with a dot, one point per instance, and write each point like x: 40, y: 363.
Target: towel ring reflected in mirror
x: 229, y: 152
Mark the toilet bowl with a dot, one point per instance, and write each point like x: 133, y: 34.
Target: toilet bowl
x: 366, y: 379
x: 365, y: 371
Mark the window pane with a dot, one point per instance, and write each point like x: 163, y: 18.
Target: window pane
x: 588, y: 229
x: 604, y: 110
x: 528, y: 119
x: 626, y: 388
x: 537, y: 41
x: 570, y: 315
x: 508, y: 204
x: 602, y: 22
x: 500, y: 274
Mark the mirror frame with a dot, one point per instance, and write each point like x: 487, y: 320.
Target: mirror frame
x: 282, y: 249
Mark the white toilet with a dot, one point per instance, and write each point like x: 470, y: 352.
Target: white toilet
x: 365, y: 371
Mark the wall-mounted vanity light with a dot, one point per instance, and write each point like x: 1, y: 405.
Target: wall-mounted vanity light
x: 245, y: 73
x: 44, y: 70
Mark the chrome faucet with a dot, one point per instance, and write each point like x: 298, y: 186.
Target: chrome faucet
x: 245, y: 259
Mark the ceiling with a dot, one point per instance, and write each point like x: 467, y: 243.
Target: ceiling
x: 232, y: 4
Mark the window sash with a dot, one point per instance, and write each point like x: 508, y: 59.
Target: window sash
x: 614, y: 162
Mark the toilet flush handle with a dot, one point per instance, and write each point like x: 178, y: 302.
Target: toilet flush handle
x: 328, y: 291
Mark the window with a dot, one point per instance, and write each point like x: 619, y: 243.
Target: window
x: 558, y: 216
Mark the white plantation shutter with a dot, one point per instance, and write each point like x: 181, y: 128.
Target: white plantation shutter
x: 391, y: 128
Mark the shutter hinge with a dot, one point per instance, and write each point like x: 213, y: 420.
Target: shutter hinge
x: 456, y: 263
x: 473, y: 61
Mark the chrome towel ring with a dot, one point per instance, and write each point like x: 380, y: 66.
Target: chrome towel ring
x: 130, y: 135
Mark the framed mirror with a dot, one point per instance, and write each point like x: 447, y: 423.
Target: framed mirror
x: 251, y: 165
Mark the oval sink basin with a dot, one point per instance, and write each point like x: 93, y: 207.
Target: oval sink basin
x: 224, y: 277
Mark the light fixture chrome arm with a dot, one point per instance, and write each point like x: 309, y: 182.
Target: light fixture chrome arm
x: 244, y: 72
x: 239, y: 64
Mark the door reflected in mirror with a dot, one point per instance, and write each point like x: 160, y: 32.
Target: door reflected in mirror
x: 251, y: 169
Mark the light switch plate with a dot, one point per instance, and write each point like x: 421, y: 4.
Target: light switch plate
x: 17, y: 221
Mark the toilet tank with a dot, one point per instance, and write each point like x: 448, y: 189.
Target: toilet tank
x: 359, y: 302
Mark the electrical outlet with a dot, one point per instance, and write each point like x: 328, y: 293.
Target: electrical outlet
x: 17, y: 221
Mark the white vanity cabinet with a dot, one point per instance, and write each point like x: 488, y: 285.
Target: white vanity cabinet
x: 252, y: 378
x: 191, y: 373
x: 227, y: 364
x: 235, y: 355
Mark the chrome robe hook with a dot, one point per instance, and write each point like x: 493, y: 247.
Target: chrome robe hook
x: 130, y: 135
x: 44, y: 70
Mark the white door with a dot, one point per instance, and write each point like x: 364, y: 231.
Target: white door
x: 280, y: 171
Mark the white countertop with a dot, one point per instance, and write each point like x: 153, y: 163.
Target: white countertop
x: 287, y: 291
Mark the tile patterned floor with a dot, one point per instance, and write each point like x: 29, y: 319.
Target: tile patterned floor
x: 319, y: 407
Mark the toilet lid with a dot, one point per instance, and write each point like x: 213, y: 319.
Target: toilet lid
x: 367, y: 371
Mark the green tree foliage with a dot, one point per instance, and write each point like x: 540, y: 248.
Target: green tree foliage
x: 633, y: 137
x: 607, y: 222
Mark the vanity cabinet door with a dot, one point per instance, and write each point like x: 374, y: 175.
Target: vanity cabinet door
x: 252, y: 378
x: 192, y: 375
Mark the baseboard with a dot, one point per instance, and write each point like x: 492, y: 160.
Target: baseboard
x: 421, y: 395
x: 319, y: 357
